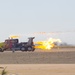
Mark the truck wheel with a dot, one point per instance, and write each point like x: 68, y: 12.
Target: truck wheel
x: 1, y: 50
x: 29, y: 49
x: 23, y: 49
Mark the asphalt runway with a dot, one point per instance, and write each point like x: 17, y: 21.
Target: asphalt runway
x: 54, y: 56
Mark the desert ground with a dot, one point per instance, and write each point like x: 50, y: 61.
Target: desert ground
x: 39, y: 69
x: 59, y: 61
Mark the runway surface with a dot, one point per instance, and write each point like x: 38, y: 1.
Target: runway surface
x: 54, y: 56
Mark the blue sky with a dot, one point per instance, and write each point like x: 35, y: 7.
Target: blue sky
x: 30, y: 16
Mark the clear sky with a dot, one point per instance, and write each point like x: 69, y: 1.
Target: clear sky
x: 29, y: 16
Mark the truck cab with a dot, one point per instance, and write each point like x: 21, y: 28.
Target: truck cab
x: 13, y: 44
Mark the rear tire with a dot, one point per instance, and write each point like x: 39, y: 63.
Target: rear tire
x: 30, y: 49
x: 23, y: 49
x: 1, y: 50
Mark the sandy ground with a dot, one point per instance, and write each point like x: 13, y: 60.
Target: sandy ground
x: 45, y: 62
x: 40, y: 69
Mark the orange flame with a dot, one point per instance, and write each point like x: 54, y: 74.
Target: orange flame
x: 14, y: 36
x: 49, y: 44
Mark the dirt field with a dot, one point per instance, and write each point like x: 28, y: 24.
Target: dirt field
x: 38, y: 69
x: 54, y: 56
x: 45, y: 62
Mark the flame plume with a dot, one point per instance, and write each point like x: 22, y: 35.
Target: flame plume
x: 49, y: 44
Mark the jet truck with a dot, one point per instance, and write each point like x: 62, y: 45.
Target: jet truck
x: 14, y: 44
